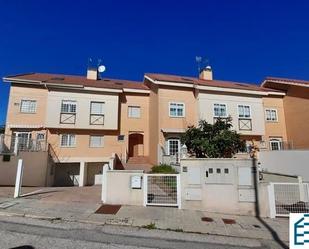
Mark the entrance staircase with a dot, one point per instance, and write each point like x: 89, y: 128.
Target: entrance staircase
x: 138, y: 163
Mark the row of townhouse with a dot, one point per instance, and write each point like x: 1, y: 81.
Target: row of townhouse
x: 83, y: 121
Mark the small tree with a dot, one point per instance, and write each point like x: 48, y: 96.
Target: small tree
x: 213, y: 140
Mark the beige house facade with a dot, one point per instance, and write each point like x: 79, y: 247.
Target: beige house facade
x: 85, y: 122
x: 294, y: 109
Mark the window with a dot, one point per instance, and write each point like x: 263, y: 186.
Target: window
x: 218, y: 171
x: 68, y: 106
x: 120, y: 138
x: 134, y: 112
x: 67, y: 140
x: 173, y: 146
x: 177, y: 109
x: 28, y: 106
x: 40, y: 136
x: 97, y: 113
x: 97, y: 108
x: 226, y: 171
x: 210, y: 170
x: 220, y: 110
x: 271, y: 115
x: 275, y: 144
x: 244, y: 111
x: 96, y: 141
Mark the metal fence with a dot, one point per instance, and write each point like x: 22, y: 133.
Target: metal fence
x: 162, y: 190
x: 288, y: 198
x: 13, y: 144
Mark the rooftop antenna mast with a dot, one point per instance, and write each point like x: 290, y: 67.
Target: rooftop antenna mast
x: 89, y: 64
x: 101, y: 68
x: 201, y: 62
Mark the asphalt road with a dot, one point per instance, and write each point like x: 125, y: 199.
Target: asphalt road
x: 22, y: 232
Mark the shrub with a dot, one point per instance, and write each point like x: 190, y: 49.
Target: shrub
x: 213, y: 140
x: 164, y: 169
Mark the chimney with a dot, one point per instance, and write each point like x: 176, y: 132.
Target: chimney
x: 206, y: 73
x: 92, y: 73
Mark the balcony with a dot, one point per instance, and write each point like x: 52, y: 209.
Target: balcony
x: 245, y: 124
x: 96, y: 119
x: 67, y: 118
x: 13, y: 144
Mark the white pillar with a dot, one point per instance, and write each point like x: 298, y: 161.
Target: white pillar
x: 82, y: 174
x: 19, y: 177
x: 271, y: 201
x: 104, y: 183
x: 301, y: 189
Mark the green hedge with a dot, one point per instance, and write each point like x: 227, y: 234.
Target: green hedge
x: 164, y: 169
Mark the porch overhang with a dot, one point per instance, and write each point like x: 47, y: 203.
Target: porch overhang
x: 25, y: 126
x: 173, y: 130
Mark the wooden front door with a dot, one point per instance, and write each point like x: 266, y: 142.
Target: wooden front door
x: 136, y: 142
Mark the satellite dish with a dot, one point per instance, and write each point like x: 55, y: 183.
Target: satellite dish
x: 101, y: 68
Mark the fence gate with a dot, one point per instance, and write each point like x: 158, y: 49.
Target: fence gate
x: 288, y: 198
x: 162, y: 190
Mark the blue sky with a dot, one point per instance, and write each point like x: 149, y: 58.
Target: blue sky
x: 243, y: 40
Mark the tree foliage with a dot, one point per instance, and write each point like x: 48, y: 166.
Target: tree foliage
x: 213, y: 140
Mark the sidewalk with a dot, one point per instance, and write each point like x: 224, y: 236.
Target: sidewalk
x: 148, y: 217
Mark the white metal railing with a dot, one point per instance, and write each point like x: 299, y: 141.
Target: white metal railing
x: 12, y: 144
x: 162, y: 190
x: 288, y: 198
x: 171, y: 159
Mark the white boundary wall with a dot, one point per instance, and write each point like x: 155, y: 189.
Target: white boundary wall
x: 231, y: 191
x: 221, y: 185
x: 288, y: 162
x: 116, y: 187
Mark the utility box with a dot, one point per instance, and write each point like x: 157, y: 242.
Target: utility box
x: 136, y: 182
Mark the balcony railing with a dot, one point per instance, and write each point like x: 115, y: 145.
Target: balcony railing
x: 245, y: 124
x: 12, y: 144
x: 171, y: 159
x: 221, y: 118
x: 67, y: 118
x: 97, y: 119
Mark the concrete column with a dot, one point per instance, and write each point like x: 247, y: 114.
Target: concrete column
x: 19, y: 178
x: 82, y: 174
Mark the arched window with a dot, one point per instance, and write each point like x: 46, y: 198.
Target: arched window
x: 275, y: 144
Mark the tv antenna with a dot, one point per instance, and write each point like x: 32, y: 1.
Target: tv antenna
x: 201, y: 62
x: 101, y: 68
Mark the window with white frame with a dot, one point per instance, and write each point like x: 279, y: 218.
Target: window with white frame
x: 96, y: 141
x: 275, y: 144
x: 97, y: 113
x: 28, y: 106
x: 67, y: 140
x: 97, y: 108
x: 244, y: 111
x: 173, y: 146
x: 68, y: 106
x: 220, y: 110
x: 176, y: 109
x: 271, y: 115
x: 134, y: 111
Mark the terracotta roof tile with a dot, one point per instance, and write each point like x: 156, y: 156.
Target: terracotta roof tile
x: 211, y: 83
x: 305, y: 82
x: 80, y: 80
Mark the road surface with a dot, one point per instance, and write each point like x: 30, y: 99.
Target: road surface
x: 20, y: 232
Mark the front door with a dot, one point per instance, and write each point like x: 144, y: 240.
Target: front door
x: 174, y: 148
x: 136, y: 145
